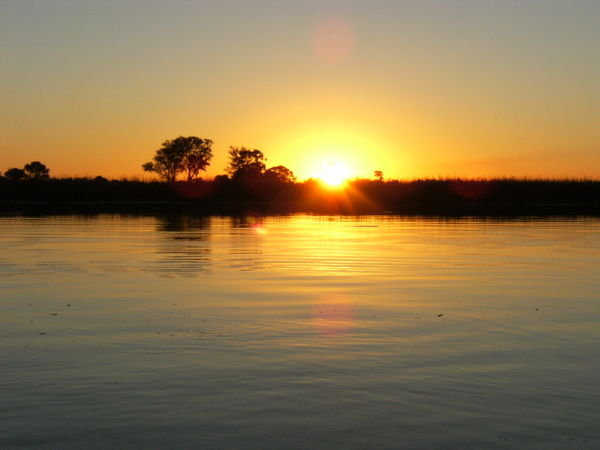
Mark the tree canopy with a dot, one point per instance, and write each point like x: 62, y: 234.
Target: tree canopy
x: 189, y: 155
x: 197, y: 157
x: 281, y: 174
x: 245, y: 163
x: 15, y: 174
x: 37, y: 171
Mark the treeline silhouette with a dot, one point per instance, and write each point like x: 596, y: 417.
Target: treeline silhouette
x: 264, y: 195
x: 250, y: 187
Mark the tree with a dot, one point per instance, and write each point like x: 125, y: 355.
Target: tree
x: 245, y: 163
x: 183, y: 154
x: 197, y: 157
x: 378, y: 174
x: 280, y: 174
x: 15, y: 174
x: 37, y: 171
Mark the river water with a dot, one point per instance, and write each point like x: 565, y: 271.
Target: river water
x: 299, y: 332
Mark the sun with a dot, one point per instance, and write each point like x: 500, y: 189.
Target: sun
x: 334, y: 174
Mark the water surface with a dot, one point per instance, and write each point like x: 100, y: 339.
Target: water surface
x: 299, y: 332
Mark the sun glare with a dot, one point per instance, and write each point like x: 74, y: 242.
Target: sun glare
x: 334, y: 174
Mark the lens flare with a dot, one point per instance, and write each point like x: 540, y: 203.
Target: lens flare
x: 333, y: 39
x: 333, y: 315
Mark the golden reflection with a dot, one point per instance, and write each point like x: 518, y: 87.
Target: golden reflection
x: 260, y: 229
x: 184, y: 249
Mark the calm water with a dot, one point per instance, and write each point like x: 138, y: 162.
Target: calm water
x: 299, y: 332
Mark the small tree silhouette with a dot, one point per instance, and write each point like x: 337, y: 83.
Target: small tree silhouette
x: 378, y: 174
x: 280, y: 174
x: 15, y: 174
x: 245, y: 163
x: 183, y: 154
x: 37, y: 171
x: 197, y: 157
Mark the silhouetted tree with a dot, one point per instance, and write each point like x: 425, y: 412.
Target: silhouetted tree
x: 281, y: 174
x: 37, y: 171
x: 15, y: 174
x: 245, y: 163
x: 378, y: 174
x: 197, y: 157
x: 183, y: 154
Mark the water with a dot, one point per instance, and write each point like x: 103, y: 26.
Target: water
x: 299, y: 332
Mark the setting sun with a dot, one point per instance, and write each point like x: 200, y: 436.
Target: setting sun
x: 334, y: 173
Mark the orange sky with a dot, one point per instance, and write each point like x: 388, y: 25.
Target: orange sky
x: 412, y: 88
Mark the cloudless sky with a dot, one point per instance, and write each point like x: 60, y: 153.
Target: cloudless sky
x: 413, y: 88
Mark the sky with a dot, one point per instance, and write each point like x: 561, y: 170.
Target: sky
x: 412, y: 88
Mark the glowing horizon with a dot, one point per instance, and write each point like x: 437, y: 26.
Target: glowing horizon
x: 412, y: 89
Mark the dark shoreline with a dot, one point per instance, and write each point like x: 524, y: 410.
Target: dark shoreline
x: 260, y: 196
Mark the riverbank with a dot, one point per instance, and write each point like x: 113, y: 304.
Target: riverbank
x: 443, y: 197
